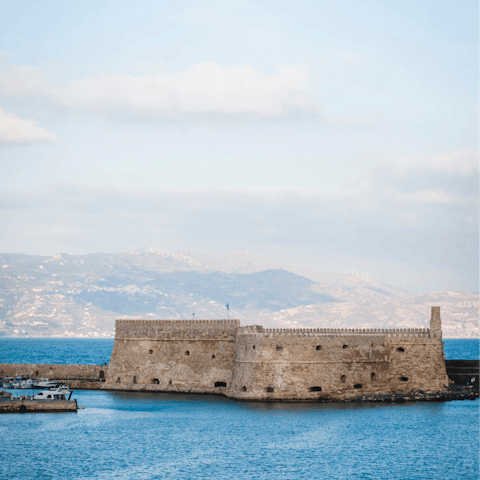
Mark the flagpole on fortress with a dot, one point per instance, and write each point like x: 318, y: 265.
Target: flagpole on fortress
x: 228, y: 310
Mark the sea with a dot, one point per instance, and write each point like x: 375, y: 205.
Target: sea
x: 135, y: 435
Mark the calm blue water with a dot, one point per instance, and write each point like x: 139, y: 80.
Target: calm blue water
x: 97, y: 351
x: 153, y: 436
x: 149, y: 436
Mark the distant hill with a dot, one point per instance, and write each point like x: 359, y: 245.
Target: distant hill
x: 82, y: 295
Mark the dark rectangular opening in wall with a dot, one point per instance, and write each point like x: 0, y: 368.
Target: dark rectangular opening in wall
x: 269, y: 389
x: 220, y: 384
x: 357, y: 385
x: 400, y: 349
x: 315, y: 389
x: 155, y: 381
x: 403, y: 379
x: 279, y: 348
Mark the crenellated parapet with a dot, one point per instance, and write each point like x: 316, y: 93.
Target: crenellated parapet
x: 407, y: 332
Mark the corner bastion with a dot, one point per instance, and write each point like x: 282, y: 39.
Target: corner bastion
x: 257, y: 363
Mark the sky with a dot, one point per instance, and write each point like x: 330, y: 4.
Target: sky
x: 331, y: 135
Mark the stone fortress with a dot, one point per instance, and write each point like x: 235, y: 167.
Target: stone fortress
x: 256, y: 363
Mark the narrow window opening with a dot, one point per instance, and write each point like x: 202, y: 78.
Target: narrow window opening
x: 403, y: 379
x: 400, y: 349
x: 150, y: 352
x: 220, y: 384
x: 343, y: 378
x: 102, y: 374
x: 244, y: 389
x: 155, y: 381
x: 118, y: 380
x: 315, y: 389
x: 187, y: 353
x: 254, y: 347
x: 373, y: 377
x: 357, y: 385
x: 269, y: 389
x: 345, y: 346
x: 134, y: 379
x: 318, y: 347
x: 170, y: 382
x: 279, y: 348
x: 372, y: 344
x: 213, y: 356
x: 36, y: 373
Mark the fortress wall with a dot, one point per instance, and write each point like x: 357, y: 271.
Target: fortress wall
x: 344, y: 366
x: 180, y: 355
x: 292, y: 365
x: 422, y: 362
x: 54, y: 372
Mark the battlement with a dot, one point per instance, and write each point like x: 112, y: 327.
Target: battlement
x: 178, y: 323
x: 337, y: 332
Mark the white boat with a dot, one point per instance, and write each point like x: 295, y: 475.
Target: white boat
x: 59, y: 393
x: 7, y: 382
x: 44, y: 383
x: 24, y: 384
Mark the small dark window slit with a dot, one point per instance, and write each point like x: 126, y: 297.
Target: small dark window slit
x: 315, y: 389
x: 187, y: 353
x: 279, y: 348
x: 244, y: 389
x: 343, y: 378
x: 400, y: 349
x: 220, y: 384
x: 373, y: 377
x: 213, y: 356
x: 155, y: 381
x: 318, y: 347
x: 269, y: 390
x: 150, y: 352
x: 345, y: 346
x: 134, y: 379
x: 403, y: 379
x: 357, y: 385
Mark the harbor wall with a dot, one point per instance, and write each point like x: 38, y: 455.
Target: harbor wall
x: 21, y: 406
x: 85, y: 373
x: 179, y: 355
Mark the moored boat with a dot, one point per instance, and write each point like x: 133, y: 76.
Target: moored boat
x: 59, y: 393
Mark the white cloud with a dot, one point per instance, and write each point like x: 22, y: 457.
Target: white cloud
x: 15, y: 130
x: 205, y: 89
x: 463, y: 163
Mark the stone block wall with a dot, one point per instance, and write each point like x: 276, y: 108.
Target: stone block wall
x: 309, y: 365
x: 179, y: 355
x: 89, y: 373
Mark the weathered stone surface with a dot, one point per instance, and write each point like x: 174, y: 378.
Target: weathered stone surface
x: 23, y: 405
x: 85, y: 373
x: 254, y: 363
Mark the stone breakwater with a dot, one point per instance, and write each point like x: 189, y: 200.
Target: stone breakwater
x: 84, y: 377
x: 256, y: 364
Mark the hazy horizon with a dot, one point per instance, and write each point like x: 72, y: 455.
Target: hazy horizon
x: 334, y: 136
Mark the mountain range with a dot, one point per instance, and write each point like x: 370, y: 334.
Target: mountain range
x: 82, y: 295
